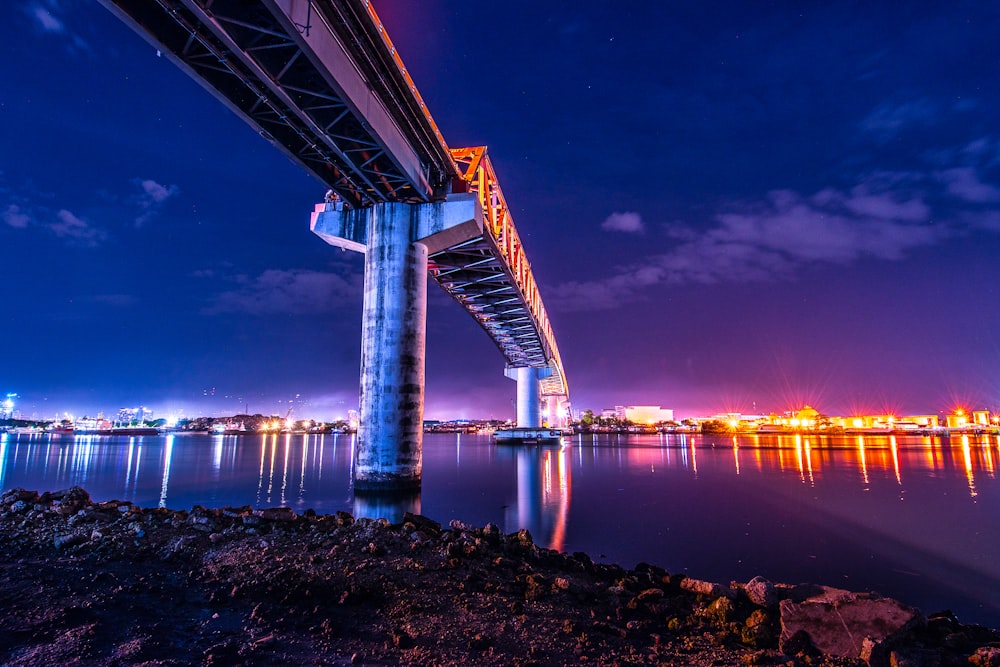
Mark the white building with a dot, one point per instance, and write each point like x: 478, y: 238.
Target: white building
x: 648, y: 414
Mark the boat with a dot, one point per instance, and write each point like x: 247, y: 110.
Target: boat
x: 231, y: 428
x: 527, y: 436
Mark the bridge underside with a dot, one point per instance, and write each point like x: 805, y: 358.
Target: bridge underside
x: 316, y: 80
x: 475, y: 276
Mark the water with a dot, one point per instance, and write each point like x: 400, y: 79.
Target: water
x: 914, y: 518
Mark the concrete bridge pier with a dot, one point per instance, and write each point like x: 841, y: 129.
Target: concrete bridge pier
x: 529, y: 397
x: 552, y: 416
x: 396, y: 240
x: 393, y: 335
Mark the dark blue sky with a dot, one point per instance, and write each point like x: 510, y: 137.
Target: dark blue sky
x: 726, y: 205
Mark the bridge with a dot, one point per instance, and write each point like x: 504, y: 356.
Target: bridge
x: 322, y: 81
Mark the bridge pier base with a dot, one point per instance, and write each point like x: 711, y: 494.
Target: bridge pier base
x: 529, y: 397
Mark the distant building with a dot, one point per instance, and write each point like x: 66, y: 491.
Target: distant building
x: 134, y: 415
x: 962, y: 419
x: 648, y: 414
x: 7, y: 407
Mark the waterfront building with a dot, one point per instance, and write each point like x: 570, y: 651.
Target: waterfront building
x: 886, y: 422
x: 738, y: 421
x: 976, y: 419
x: 648, y: 414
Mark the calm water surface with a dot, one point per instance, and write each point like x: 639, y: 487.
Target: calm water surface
x: 913, y: 518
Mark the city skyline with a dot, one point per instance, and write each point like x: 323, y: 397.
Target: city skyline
x: 725, y: 207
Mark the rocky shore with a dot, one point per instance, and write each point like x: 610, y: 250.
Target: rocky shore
x: 110, y: 583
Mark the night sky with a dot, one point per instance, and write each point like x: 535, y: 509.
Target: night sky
x: 728, y: 206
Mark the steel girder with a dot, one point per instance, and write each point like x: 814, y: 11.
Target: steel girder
x: 300, y: 72
x: 491, y: 277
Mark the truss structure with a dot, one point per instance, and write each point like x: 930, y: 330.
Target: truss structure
x: 318, y: 79
x: 492, y: 279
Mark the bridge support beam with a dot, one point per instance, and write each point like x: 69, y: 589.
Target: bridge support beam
x: 529, y: 398
x: 396, y: 240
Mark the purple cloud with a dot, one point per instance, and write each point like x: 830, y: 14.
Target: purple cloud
x: 292, y: 292
x: 45, y: 19
x: 157, y: 193
x: 76, y: 230
x: 964, y: 184
x: 151, y: 199
x: 628, y: 222
x: 771, y: 239
x: 47, y: 16
x: 16, y: 218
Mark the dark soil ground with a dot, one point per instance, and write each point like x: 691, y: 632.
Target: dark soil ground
x: 114, y: 584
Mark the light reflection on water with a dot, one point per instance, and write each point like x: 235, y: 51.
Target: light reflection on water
x: 913, y: 517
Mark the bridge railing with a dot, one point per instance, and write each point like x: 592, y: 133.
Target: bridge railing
x: 478, y: 177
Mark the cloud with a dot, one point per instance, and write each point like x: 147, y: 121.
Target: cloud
x: 45, y: 19
x: 630, y: 223
x: 16, y: 218
x: 49, y: 16
x: 151, y: 199
x: 885, y: 218
x: 964, y: 184
x: 157, y: 193
x: 888, y: 119
x: 291, y: 292
x: 78, y: 231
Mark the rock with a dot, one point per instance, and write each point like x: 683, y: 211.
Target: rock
x: 720, y: 611
x: 708, y: 588
x: 757, y: 631
x: 461, y: 527
x: 915, y: 658
x: 421, y: 522
x: 561, y: 584
x: 986, y: 656
x: 650, y: 595
x: 276, y: 514
x: 761, y: 592
x: 68, y: 540
x: 18, y: 506
x: 492, y: 534
x: 837, y: 622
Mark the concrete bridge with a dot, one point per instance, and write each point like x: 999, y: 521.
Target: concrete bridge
x: 321, y: 80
